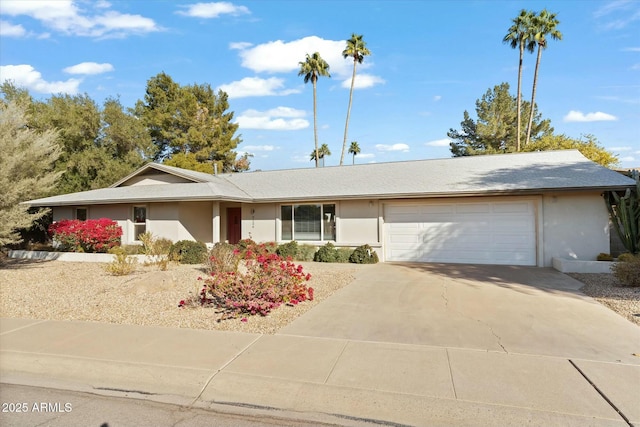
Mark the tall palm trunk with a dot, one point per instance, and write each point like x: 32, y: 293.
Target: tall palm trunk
x: 519, y: 97
x: 533, y: 93
x: 315, y: 120
x: 346, y: 125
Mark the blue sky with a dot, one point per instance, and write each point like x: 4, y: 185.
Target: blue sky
x: 430, y: 61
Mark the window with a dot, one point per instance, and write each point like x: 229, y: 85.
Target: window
x: 139, y: 221
x: 308, y: 222
x: 81, y: 214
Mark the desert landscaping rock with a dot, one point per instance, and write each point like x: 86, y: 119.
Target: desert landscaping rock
x: 604, y: 288
x: 59, y: 290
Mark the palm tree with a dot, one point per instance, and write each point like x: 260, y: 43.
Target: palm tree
x: 354, y: 149
x: 544, y: 24
x: 520, y: 35
x: 320, y: 153
x: 312, y: 68
x: 357, y: 49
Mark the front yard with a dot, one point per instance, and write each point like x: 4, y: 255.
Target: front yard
x: 60, y: 290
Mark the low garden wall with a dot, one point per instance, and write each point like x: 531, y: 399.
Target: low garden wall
x: 565, y: 265
x: 69, y: 256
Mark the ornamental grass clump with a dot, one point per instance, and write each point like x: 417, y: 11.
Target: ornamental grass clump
x: 264, y: 282
x: 123, y: 264
x: 92, y: 235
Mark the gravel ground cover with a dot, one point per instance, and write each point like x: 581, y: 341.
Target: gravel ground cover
x: 60, y: 290
x: 604, y: 288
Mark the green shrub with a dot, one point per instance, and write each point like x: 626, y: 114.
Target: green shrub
x: 305, y: 252
x: 604, y: 257
x: 326, y: 253
x: 364, y: 255
x: 223, y: 258
x: 288, y: 250
x: 188, y: 252
x: 627, y: 256
x: 343, y: 254
x: 123, y: 264
x: 627, y: 272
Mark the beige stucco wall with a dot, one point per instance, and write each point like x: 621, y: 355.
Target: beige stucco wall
x: 259, y: 222
x: 357, y: 222
x: 575, y: 226
x: 195, y: 221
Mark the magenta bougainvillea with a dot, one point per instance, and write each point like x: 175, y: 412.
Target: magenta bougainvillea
x: 264, y: 282
x: 92, y: 235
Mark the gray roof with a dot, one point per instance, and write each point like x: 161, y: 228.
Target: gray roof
x: 520, y: 173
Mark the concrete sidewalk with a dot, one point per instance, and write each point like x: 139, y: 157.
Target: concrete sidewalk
x: 339, y: 381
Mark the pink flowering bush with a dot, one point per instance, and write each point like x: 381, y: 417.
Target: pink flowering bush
x: 263, y: 282
x: 92, y: 235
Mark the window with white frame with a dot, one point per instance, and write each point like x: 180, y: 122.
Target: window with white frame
x: 311, y: 222
x: 139, y: 221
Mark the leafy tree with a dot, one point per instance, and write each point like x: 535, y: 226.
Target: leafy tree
x: 544, y: 24
x: 495, y: 129
x: 587, y: 145
x: 26, y: 169
x: 322, y: 152
x: 354, y: 149
x: 520, y: 36
x: 356, y: 49
x: 98, y: 146
x: 192, y: 121
x: 312, y: 68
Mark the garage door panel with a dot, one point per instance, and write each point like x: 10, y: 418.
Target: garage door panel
x: 512, y: 207
x: 436, y: 209
x: 461, y: 232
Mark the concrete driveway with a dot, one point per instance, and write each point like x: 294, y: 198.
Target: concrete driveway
x: 522, y: 310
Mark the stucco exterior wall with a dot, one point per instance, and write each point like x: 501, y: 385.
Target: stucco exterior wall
x: 162, y: 221
x: 62, y: 212
x: 575, y: 226
x: 259, y: 222
x: 195, y: 221
x: 357, y: 222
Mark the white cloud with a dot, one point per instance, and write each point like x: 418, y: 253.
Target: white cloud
x: 362, y: 81
x: 255, y: 86
x: 628, y: 159
x: 579, y: 116
x: 620, y: 148
x: 635, y: 67
x: 240, y: 45
x: 89, y: 68
x: 631, y: 49
x: 437, y: 98
x: 284, y: 57
x: 280, y: 118
x: 617, y: 14
x: 213, y: 10
x: 252, y: 148
x: 27, y: 76
x: 7, y: 29
x: 365, y: 156
x: 64, y: 16
x: 438, y: 143
x: 395, y: 147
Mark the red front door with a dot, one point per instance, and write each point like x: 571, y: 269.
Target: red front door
x: 234, y: 229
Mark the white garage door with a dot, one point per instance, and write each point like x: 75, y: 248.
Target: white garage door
x: 462, y: 232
